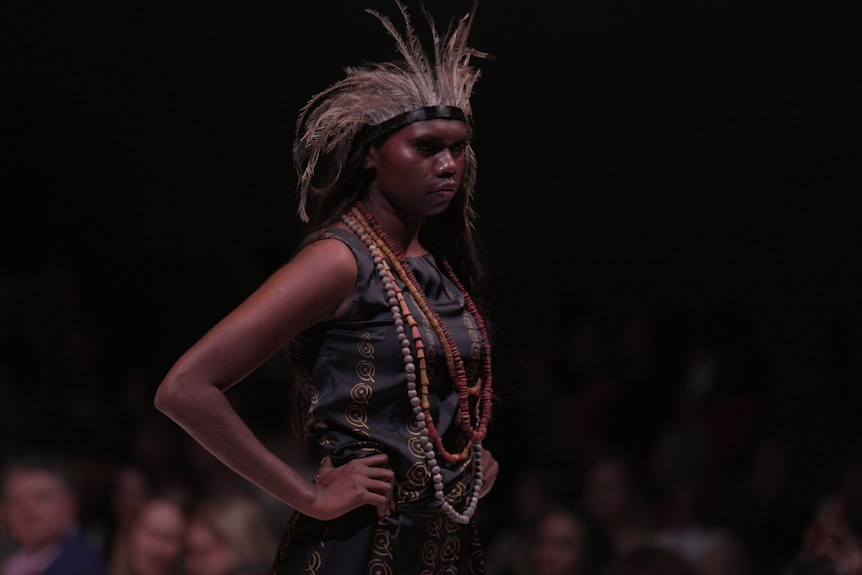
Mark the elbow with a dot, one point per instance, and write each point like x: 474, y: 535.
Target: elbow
x: 169, y: 397
x: 160, y: 400
x: 181, y: 395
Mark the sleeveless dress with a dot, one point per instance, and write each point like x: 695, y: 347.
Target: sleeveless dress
x: 352, y: 371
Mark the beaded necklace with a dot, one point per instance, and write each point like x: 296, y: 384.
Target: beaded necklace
x: 387, y: 256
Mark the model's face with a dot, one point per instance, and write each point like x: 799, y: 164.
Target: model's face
x: 39, y: 508
x: 418, y: 169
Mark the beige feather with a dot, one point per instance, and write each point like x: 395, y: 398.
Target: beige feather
x: 332, y: 119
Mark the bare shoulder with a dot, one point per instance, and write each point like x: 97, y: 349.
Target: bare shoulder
x: 329, y: 255
x: 321, y: 276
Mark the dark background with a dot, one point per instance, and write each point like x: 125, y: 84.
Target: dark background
x: 698, y: 161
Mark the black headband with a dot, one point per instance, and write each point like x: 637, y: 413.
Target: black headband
x: 419, y: 114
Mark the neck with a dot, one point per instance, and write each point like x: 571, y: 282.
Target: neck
x: 402, y: 229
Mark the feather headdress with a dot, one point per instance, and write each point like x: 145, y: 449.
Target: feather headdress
x: 378, y: 98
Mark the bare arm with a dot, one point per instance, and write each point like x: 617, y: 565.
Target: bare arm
x: 316, y: 285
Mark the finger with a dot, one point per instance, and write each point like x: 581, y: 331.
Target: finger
x: 377, y: 494
x: 381, y: 486
x: 376, y: 460
x: 380, y: 474
x: 383, y: 510
x: 384, y: 487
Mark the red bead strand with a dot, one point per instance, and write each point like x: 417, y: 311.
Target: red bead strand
x: 475, y: 425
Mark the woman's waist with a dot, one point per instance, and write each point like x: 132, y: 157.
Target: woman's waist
x: 415, y: 492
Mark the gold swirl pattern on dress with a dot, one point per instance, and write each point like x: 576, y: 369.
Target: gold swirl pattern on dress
x: 361, y: 393
x: 429, y: 553
x: 312, y: 394
x: 477, y: 557
x: 414, y: 445
x: 435, y: 525
x: 431, y: 339
x: 379, y: 567
x: 418, y: 474
x: 457, y: 493
x: 314, y: 563
x: 303, y: 373
x: 365, y: 369
x: 365, y: 348
x: 412, y: 426
x: 450, y: 526
x: 471, y: 327
x: 381, y: 544
x: 475, y: 349
x: 455, y: 296
x: 406, y: 495
x: 450, y: 549
x: 357, y: 417
x: 475, y: 336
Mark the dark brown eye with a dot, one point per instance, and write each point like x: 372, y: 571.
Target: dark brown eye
x: 458, y: 148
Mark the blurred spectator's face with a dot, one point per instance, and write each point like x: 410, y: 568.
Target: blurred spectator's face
x: 207, y: 553
x: 559, y: 547
x: 156, y: 539
x: 130, y: 491
x: 40, y: 510
x: 606, y: 493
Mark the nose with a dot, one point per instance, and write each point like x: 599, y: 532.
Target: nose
x: 446, y: 163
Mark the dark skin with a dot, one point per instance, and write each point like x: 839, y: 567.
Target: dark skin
x: 417, y: 171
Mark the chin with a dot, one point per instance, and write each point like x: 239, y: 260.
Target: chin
x: 435, y: 208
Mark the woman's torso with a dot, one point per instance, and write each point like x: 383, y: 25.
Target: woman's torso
x: 352, y: 371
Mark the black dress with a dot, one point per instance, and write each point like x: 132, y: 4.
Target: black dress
x: 352, y: 370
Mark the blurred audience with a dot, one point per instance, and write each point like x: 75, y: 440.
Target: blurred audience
x: 649, y: 560
x: 829, y: 546
x: 614, y: 500
x: 152, y: 540
x: 528, y: 500
x: 772, y: 507
x: 564, y: 542
x: 230, y: 534
x: 131, y: 486
x: 7, y: 544
x: 832, y: 540
x: 41, y: 504
x: 697, y: 525
x: 739, y: 429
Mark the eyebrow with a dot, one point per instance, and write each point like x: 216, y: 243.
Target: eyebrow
x: 438, y: 139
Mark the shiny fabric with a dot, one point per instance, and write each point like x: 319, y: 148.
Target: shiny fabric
x: 352, y: 371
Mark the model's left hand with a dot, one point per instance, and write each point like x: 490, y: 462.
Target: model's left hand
x: 490, y: 468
